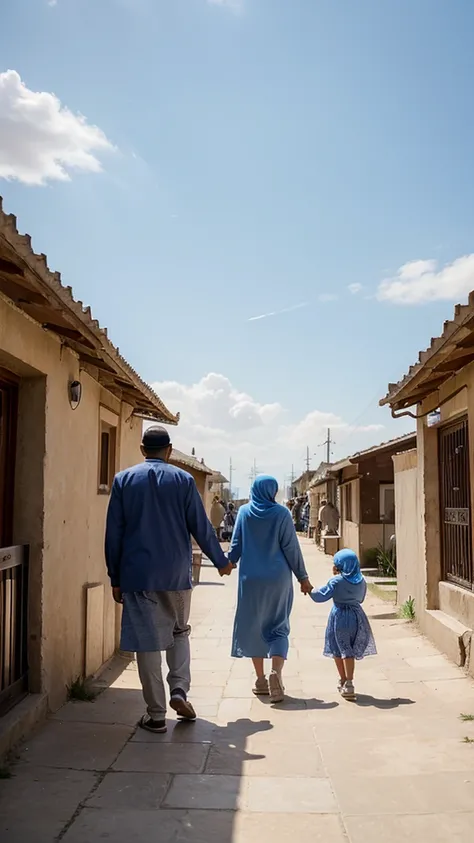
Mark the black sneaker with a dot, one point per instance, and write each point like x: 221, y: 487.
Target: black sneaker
x: 156, y: 726
x: 179, y: 703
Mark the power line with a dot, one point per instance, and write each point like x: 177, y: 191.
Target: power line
x: 327, y: 443
x: 254, y: 470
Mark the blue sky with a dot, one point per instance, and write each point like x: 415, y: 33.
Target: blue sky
x: 255, y: 157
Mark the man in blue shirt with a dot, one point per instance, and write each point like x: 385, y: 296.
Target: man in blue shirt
x: 154, y: 510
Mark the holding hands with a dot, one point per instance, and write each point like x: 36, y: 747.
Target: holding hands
x: 225, y: 572
x: 306, y: 586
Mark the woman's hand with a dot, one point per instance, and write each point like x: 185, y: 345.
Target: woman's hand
x: 226, y: 572
x: 305, y: 586
x: 117, y: 595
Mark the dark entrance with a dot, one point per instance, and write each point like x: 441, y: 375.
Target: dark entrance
x: 455, y: 501
x: 13, y: 560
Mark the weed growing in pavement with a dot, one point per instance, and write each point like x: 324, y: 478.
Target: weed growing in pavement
x: 466, y: 718
x: 79, y: 691
x: 467, y: 740
x: 407, y: 610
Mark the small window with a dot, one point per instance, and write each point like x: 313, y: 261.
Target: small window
x: 348, y: 502
x: 107, y: 450
x: 387, y: 503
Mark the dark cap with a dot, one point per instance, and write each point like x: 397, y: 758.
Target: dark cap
x: 155, y: 438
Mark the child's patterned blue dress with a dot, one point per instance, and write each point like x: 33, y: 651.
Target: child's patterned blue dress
x: 348, y: 632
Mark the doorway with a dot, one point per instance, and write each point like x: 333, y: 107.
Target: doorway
x: 455, y: 502
x: 13, y: 560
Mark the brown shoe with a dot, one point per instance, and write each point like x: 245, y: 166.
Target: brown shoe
x: 180, y: 704
x: 261, y: 689
x: 277, y: 691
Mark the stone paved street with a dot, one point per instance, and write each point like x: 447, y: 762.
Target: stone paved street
x: 394, y: 766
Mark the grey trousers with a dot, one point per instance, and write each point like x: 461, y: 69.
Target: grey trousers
x: 178, y: 658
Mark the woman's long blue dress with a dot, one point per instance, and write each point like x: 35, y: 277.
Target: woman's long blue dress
x: 269, y: 552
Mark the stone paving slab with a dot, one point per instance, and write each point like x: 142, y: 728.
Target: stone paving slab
x: 38, y: 802
x: 171, y: 758
x: 400, y: 755
x: 287, y: 828
x: 391, y: 767
x: 157, y: 827
x: 114, y: 706
x: 77, y: 746
x: 261, y: 758
x: 411, y: 828
x: 422, y: 794
x: 130, y: 791
x: 283, y: 794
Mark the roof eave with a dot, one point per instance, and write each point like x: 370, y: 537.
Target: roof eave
x: 83, y: 329
x: 444, y: 350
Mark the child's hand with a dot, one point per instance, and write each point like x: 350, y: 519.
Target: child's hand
x: 306, y: 587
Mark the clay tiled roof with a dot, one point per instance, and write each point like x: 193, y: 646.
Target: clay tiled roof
x: 189, y: 461
x: 217, y: 477
x: 402, y: 442
x: 445, y: 356
x: 27, y: 281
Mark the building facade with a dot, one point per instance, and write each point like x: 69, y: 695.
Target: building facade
x: 71, y: 413
x: 433, y: 487
x: 366, y: 496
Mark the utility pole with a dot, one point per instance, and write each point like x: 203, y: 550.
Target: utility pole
x: 307, y: 458
x: 327, y: 443
x: 292, y: 480
x: 253, y: 470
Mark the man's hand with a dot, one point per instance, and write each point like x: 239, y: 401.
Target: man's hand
x: 117, y: 595
x: 225, y: 572
x: 306, y: 587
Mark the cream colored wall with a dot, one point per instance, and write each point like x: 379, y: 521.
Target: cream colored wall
x: 66, y: 528
x: 350, y: 536
x: 411, y: 576
x: 374, y: 535
x: 350, y: 530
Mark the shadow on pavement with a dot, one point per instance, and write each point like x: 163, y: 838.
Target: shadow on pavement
x: 386, y: 616
x: 210, y: 583
x: 298, y: 704
x: 366, y: 701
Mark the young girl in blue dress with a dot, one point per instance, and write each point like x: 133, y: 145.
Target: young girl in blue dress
x: 348, y: 632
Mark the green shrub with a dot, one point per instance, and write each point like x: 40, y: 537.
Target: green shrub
x: 407, y: 610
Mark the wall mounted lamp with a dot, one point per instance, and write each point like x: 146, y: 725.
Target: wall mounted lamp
x: 75, y: 394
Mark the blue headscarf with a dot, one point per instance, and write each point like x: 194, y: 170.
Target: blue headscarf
x: 347, y: 564
x: 262, y: 495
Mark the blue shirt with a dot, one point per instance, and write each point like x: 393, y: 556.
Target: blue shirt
x: 341, y: 591
x: 154, y: 510
x: 266, y: 545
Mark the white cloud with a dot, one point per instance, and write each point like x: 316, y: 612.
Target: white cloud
x: 422, y: 281
x: 325, y: 297
x: 278, y: 312
x: 220, y: 422
x: 355, y: 288
x: 40, y: 139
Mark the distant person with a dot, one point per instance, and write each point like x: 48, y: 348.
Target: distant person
x: 328, y: 519
x: 229, y: 522
x: 154, y: 510
x: 305, y: 515
x: 217, y: 515
x: 267, y: 547
x: 348, y: 633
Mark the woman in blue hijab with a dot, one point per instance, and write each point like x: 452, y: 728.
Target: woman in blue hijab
x: 265, y: 543
x: 348, y: 632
